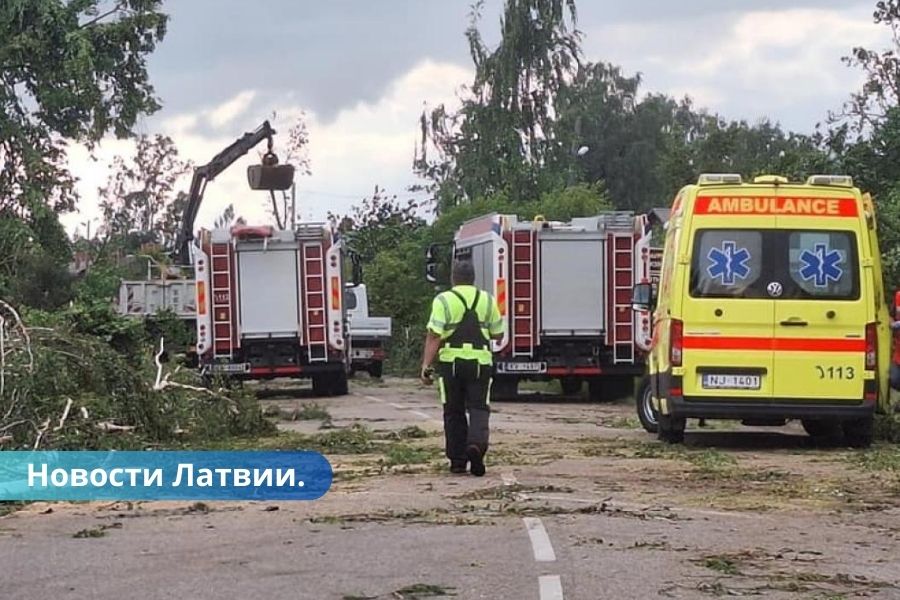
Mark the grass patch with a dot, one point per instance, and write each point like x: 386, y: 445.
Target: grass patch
x: 720, y: 564
x: 403, y: 454
x: 96, y: 532
x: 358, y: 597
x: 879, y: 458
x: 628, y: 422
x: 7, y: 508
x: 423, y: 590
x: 411, y: 432
x: 711, y: 461
x: 887, y: 428
x: 349, y: 440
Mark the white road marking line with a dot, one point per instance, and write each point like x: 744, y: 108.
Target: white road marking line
x: 395, y: 405
x: 419, y: 413
x: 550, y: 587
x: 508, y: 479
x: 540, y: 541
x: 374, y: 399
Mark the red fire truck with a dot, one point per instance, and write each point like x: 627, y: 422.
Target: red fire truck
x: 269, y: 304
x: 565, y: 292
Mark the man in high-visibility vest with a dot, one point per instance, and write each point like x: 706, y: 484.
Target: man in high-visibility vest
x: 463, y: 321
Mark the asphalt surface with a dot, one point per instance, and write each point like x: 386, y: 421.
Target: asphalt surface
x: 578, y: 503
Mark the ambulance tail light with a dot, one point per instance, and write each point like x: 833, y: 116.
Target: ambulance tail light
x: 676, y: 342
x: 871, y: 347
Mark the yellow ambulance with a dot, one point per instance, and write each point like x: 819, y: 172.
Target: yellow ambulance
x: 770, y: 307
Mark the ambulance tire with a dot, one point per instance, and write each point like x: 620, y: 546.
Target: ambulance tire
x: 859, y: 433
x: 571, y: 386
x: 646, y: 413
x: 671, y: 429
x: 825, y: 431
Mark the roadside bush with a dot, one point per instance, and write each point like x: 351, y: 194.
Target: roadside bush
x: 64, y: 389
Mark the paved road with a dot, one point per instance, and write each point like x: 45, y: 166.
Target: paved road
x: 577, y: 504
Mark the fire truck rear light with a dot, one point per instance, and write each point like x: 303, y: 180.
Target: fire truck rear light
x: 676, y: 342
x: 201, y: 297
x: 871, y: 347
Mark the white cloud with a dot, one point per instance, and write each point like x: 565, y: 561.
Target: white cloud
x: 784, y: 64
x: 227, y: 112
x: 365, y: 145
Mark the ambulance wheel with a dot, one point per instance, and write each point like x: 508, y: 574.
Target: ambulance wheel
x: 571, y: 386
x: 822, y: 430
x: 376, y: 370
x: 671, y: 429
x: 646, y: 413
x: 859, y: 433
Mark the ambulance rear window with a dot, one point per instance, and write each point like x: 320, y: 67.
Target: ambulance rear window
x: 775, y: 263
x: 727, y: 263
x: 823, y: 264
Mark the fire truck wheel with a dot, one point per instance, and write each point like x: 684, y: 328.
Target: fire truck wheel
x: 339, y: 386
x: 596, y: 390
x: 571, y: 386
x: 376, y: 369
x: 319, y: 385
x: 859, y: 433
x: 504, y: 388
x: 619, y: 387
x: 646, y: 413
x: 671, y: 429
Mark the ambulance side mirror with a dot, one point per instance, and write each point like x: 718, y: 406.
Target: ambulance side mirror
x: 642, y: 296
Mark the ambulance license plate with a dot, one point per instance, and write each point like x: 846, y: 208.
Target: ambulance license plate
x: 730, y: 382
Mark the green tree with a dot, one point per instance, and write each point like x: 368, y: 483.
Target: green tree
x: 140, y: 195
x: 505, y: 131
x: 69, y: 70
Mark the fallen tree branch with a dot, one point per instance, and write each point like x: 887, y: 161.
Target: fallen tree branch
x: 41, y: 431
x: 164, y: 382
x: 109, y: 426
x: 23, y: 331
x: 65, y: 415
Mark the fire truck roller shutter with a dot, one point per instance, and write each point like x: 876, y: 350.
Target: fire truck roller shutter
x: 573, y: 283
x: 268, y: 288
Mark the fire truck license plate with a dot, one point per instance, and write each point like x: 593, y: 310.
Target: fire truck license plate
x: 731, y: 382
x: 231, y: 368
x: 523, y: 367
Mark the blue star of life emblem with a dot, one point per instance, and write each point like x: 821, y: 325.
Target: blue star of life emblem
x: 729, y: 263
x: 821, y: 265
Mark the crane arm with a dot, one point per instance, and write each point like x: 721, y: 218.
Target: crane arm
x: 206, y: 173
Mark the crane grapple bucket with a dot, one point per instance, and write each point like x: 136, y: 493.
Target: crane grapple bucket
x: 270, y: 177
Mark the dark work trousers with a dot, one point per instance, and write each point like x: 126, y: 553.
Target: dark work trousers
x: 465, y: 389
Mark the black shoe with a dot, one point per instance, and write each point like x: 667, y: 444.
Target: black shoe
x: 476, y: 460
x: 457, y: 466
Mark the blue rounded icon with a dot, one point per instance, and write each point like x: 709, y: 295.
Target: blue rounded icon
x: 164, y: 475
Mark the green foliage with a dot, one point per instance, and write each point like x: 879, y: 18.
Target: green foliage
x: 505, y: 130
x: 70, y: 72
x: 140, y: 194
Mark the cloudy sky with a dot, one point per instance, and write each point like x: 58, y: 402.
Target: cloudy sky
x: 361, y: 72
